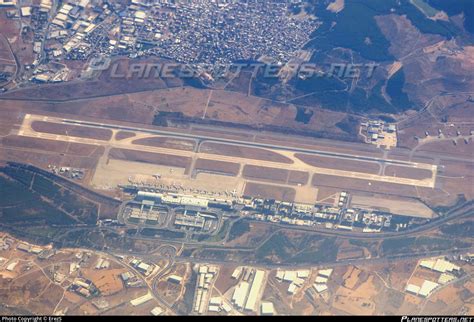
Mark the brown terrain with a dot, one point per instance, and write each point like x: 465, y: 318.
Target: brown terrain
x: 243, y: 152
x: 215, y: 166
x: 269, y: 191
x: 348, y: 165
x: 147, y: 157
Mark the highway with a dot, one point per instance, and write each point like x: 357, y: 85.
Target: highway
x: 344, y: 262
x: 462, y: 211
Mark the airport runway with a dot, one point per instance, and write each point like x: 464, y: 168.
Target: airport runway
x: 26, y: 130
x: 248, y: 144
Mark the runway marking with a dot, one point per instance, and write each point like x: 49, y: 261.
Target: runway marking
x: 26, y: 130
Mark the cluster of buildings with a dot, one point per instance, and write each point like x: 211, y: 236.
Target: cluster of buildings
x: 41, y: 252
x: 143, y: 267
x: 200, y: 201
x: 330, y: 217
x: 296, y: 279
x: 145, y: 212
x: 156, y: 311
x: 131, y: 280
x: 249, y: 290
x: 379, y: 133
x: 190, y: 212
x: 190, y: 32
x: 68, y: 172
x: 102, y: 263
x: 204, y: 283
x: 142, y: 299
x: 203, y: 212
x: 6, y: 243
x: 223, y: 32
x: 29, y: 248
x: 196, y: 220
x: 175, y: 279
x: 320, y: 284
x: 10, y: 265
x: 217, y: 305
x: 300, y: 279
x: 448, y: 272
x: 84, y: 287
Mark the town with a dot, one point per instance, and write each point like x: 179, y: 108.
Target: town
x: 194, y: 33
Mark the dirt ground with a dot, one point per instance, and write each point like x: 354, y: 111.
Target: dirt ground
x: 405, y: 172
x: 267, y: 174
x: 243, y: 152
x: 348, y: 184
x: 355, y: 302
x: 122, y: 135
x: 72, y: 130
x: 217, y: 166
x: 395, y: 205
x: 107, y: 281
x: 298, y: 177
x: 351, y: 277
x: 148, y: 157
x: 348, y: 165
x: 163, y: 142
x: 269, y: 191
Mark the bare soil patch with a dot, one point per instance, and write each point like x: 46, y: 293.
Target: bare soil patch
x: 72, y: 130
x: 406, y: 172
x: 148, y: 157
x: 243, y: 152
x: 339, y: 164
x: 265, y: 173
x: 363, y: 185
x: 228, y: 168
x: 170, y: 143
x: 269, y: 191
x: 298, y: 177
x: 122, y: 135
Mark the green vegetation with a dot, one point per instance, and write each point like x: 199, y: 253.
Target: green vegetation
x: 460, y: 200
x: 13, y: 193
x: 217, y: 237
x: 348, y: 125
x: 395, y: 90
x: 457, y: 7
x: 362, y: 243
x: 162, y: 233
x: 186, y: 305
x: 309, y: 248
x: 325, y: 251
x: 355, y: 28
x: 18, y: 205
x: 238, y: 229
x: 36, y: 234
x: 20, y: 175
x: 278, y: 246
x: 65, y: 201
x: 465, y: 229
x: 45, y: 187
x: 421, y: 244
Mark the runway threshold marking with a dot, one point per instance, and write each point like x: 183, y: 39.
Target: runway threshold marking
x: 333, y: 172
